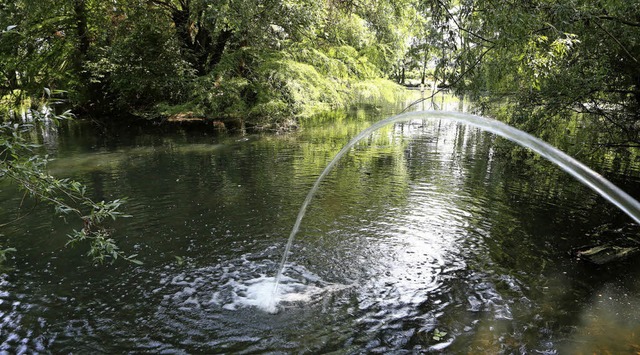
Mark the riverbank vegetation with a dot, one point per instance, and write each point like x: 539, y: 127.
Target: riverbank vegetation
x: 236, y: 63
x: 263, y: 62
x: 272, y: 62
x: 544, y: 66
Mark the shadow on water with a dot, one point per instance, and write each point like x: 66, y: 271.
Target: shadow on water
x: 426, y: 238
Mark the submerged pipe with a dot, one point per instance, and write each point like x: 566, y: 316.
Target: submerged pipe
x: 575, y: 168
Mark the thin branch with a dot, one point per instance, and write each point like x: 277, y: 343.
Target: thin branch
x: 625, y: 22
x: 20, y: 217
x: 462, y: 28
x: 618, y: 42
x: 476, y: 35
x: 166, y: 4
x: 620, y: 91
x: 598, y: 111
x: 460, y: 77
x: 43, y: 196
x: 620, y: 145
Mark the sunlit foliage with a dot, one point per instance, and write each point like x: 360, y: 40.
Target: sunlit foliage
x: 548, y: 59
x: 262, y: 61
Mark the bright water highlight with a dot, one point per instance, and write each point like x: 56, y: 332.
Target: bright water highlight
x: 428, y: 236
x: 575, y: 168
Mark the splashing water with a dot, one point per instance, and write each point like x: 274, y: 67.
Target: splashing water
x: 241, y: 283
x: 572, y: 166
x: 259, y: 292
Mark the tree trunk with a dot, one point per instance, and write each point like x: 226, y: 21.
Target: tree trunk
x: 82, y: 32
x: 180, y: 19
x: 198, y: 49
x: 218, y: 48
x: 423, y: 79
x: 198, y: 45
x: 87, y: 91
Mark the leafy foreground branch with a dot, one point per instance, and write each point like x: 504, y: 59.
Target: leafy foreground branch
x: 20, y: 164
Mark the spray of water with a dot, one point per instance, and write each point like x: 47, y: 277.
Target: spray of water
x: 578, y: 170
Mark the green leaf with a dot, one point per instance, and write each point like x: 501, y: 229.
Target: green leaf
x: 135, y: 261
x: 3, y: 254
x: 438, y: 335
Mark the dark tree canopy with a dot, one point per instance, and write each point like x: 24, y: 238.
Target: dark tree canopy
x: 278, y: 60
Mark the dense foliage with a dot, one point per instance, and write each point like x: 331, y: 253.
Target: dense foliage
x: 277, y: 60
x: 556, y: 64
x: 256, y: 62
x: 264, y: 61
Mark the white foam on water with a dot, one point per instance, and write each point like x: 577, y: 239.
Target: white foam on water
x: 240, y: 284
x: 260, y: 293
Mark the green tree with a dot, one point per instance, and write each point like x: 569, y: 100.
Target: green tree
x: 33, y: 50
x: 44, y: 44
x: 550, y: 58
x: 219, y: 59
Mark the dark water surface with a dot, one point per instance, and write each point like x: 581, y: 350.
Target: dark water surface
x: 429, y: 236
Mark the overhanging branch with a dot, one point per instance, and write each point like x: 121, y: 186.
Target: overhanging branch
x: 617, y: 19
x: 458, y: 79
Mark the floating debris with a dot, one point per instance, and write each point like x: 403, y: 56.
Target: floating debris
x: 603, y: 254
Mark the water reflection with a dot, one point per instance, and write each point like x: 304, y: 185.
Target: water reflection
x: 429, y: 236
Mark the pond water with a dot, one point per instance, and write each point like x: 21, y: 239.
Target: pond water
x: 428, y: 236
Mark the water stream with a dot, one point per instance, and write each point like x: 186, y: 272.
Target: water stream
x: 579, y: 171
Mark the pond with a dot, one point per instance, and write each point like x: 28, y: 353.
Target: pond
x: 428, y: 236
